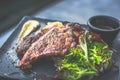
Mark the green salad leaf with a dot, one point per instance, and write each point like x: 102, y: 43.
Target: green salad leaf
x: 88, y: 59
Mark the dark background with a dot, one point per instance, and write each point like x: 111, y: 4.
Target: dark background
x: 11, y: 11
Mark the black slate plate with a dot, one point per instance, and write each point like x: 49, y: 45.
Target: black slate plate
x: 43, y: 69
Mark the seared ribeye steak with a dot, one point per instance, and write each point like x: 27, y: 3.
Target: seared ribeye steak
x: 56, y: 41
x: 26, y: 42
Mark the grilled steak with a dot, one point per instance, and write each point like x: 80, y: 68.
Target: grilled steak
x: 26, y: 42
x: 55, y: 41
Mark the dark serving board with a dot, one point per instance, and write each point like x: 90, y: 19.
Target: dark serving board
x: 43, y: 69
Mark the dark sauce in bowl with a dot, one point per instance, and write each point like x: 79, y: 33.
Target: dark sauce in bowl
x: 106, y: 26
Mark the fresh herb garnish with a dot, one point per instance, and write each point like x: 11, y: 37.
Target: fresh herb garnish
x: 87, y: 59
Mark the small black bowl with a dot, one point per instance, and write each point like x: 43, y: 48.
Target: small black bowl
x: 106, y: 26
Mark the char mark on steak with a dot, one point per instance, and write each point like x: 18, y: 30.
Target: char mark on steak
x: 54, y: 42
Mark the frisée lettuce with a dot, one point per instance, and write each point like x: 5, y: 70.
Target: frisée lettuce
x: 88, y: 59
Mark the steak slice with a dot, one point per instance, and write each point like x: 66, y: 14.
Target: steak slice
x: 26, y: 42
x: 56, y: 41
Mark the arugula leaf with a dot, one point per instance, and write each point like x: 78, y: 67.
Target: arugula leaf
x: 83, y: 45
